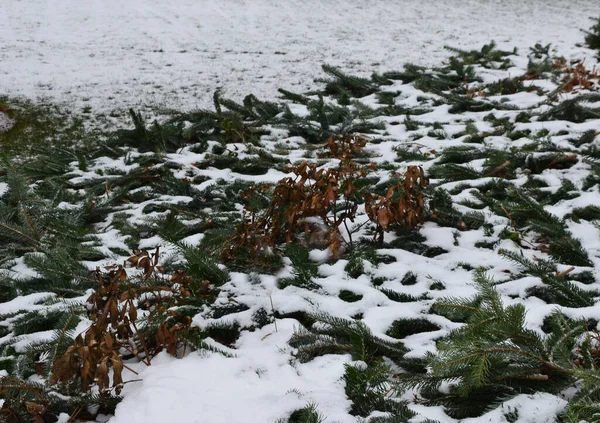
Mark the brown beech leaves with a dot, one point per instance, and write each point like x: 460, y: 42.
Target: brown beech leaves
x: 113, y: 309
x: 318, y: 200
x: 402, y: 204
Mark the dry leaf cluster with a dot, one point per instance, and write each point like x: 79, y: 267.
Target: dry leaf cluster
x: 113, y: 310
x: 318, y: 200
x: 577, y: 75
x: 402, y: 204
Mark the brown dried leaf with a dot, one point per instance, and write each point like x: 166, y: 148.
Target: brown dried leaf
x: 102, y: 378
x: 132, y: 312
x: 33, y: 408
x: 383, y: 217
x: 117, y: 366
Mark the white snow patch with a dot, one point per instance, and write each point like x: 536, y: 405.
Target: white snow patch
x: 113, y: 55
x: 263, y: 379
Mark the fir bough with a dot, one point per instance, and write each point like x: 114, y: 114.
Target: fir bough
x: 556, y: 288
x: 368, y: 387
x: 332, y: 335
x: 592, y: 37
x: 306, y: 414
x: 495, y: 356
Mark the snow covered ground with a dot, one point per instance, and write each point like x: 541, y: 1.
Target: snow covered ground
x: 114, y: 54
x: 111, y: 54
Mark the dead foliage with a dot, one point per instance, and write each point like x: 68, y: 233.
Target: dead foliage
x: 473, y: 92
x: 577, y: 75
x: 403, y: 204
x: 114, y: 311
x: 318, y: 200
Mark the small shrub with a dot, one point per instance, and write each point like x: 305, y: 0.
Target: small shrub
x: 113, y: 310
x: 318, y: 201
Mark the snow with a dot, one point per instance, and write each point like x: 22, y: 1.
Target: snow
x: 24, y: 302
x: 110, y: 54
x: 5, y: 124
x: 539, y: 407
x: 3, y: 188
x: 268, y: 384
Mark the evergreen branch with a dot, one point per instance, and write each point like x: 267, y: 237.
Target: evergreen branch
x: 20, y: 235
